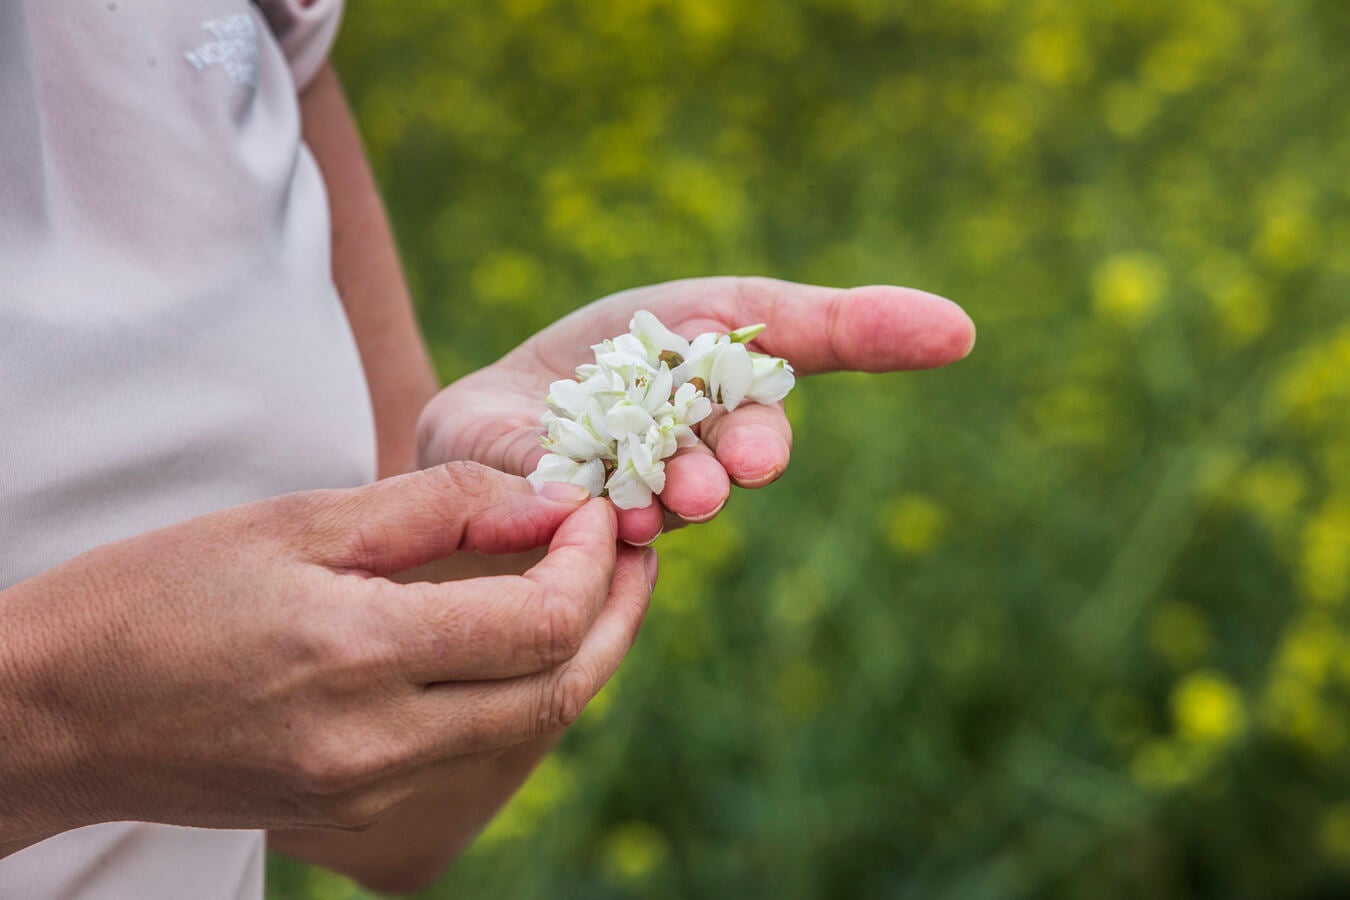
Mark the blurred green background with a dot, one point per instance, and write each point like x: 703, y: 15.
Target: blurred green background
x: 1068, y: 619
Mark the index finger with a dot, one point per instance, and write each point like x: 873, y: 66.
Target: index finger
x: 507, y: 625
x: 877, y: 328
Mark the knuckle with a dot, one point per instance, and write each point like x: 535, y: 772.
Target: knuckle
x: 561, y: 628
x: 340, y: 659
x: 321, y: 774
x: 285, y: 520
x: 339, y: 767
x: 298, y: 502
x: 321, y: 515
x: 366, y: 545
x: 464, y: 477
x: 565, y: 696
x: 358, y: 812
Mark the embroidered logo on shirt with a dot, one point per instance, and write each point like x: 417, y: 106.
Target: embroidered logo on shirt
x: 235, y: 49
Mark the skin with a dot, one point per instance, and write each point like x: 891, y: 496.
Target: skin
x: 383, y: 723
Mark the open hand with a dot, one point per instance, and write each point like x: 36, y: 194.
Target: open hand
x: 492, y: 415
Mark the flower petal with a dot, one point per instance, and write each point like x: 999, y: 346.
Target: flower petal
x: 656, y: 337
x: 590, y: 475
x: 730, y: 375
x: 772, y: 379
x: 627, y: 490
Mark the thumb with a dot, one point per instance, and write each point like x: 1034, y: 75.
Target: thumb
x: 402, y: 522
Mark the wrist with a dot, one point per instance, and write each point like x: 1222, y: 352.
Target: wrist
x: 40, y: 755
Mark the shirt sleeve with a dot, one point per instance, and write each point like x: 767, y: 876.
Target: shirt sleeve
x: 305, y: 29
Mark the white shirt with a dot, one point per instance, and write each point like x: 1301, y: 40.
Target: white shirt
x: 171, y: 342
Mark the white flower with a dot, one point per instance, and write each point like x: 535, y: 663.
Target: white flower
x: 690, y: 405
x: 637, y: 476
x: 770, y: 378
x: 657, y: 339
x: 612, y: 428
x: 730, y: 374
x: 652, y: 390
x: 662, y: 441
x: 624, y: 355
x: 646, y: 397
x: 721, y: 365
x: 628, y: 418
x: 576, y: 440
x: 673, y: 425
x: 568, y: 398
x: 590, y: 474
x: 576, y: 418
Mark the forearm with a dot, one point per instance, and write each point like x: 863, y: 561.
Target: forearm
x: 19, y: 827
x: 38, y: 754
x: 369, y: 276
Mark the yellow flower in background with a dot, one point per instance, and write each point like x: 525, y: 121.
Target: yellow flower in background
x: 1243, y: 310
x: 1307, y: 651
x: 1208, y: 709
x: 1324, y: 573
x: 1315, y: 389
x: 1273, y: 489
x: 632, y: 851
x: 1054, y: 55
x: 914, y: 525
x: 704, y: 21
x: 1295, y: 709
x: 1289, y: 239
x: 1173, y: 67
x: 1240, y: 301
x: 1128, y: 287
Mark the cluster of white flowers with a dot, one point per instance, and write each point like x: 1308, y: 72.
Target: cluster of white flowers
x: 614, y: 426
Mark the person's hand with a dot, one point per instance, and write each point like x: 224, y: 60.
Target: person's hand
x: 492, y: 415
x: 254, y: 667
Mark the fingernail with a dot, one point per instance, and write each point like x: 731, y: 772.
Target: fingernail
x: 707, y: 516
x: 561, y: 491
x: 973, y: 337
x: 636, y: 546
x: 653, y: 567
x: 648, y: 543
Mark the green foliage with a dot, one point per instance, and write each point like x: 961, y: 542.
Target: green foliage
x: 1066, y: 620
